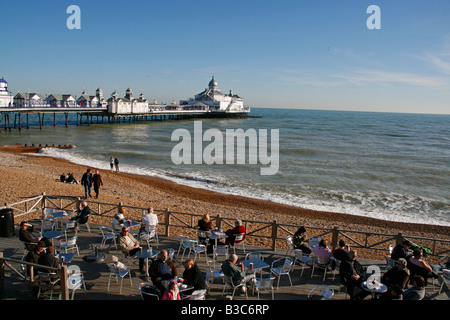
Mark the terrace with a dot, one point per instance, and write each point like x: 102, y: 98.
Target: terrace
x: 267, y: 238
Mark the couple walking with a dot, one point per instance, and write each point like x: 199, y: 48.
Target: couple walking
x: 88, y: 180
x: 114, y: 163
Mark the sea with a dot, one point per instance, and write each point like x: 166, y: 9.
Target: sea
x: 390, y: 166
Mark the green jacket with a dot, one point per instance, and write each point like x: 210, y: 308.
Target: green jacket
x: 234, y: 272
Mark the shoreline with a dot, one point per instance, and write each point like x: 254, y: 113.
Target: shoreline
x: 34, y: 175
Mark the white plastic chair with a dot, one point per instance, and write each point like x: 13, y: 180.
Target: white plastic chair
x: 184, y: 244
x: 265, y: 285
x: 391, y: 247
x: 108, y: 234
x: 254, y: 255
x: 146, y: 294
x: 215, y: 271
x: 203, y: 237
x: 314, y: 242
x: 117, y: 273
x: 239, y: 240
x: 196, y: 249
x: 445, y: 279
x: 228, y: 283
x: 290, y: 246
x: 48, y: 281
x: 70, y: 244
x: 281, y: 267
x: 196, y: 295
x: 326, y: 292
x: 69, y: 226
x: 321, y: 263
x: 47, y: 224
x: 390, y: 263
x: 301, y: 259
x: 75, y: 282
x: 220, y: 250
x: 152, y: 234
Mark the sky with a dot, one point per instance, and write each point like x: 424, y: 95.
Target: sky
x: 278, y: 54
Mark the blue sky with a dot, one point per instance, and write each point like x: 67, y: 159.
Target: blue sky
x: 287, y: 54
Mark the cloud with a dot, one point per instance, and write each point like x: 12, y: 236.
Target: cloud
x: 363, y: 77
x: 441, y: 61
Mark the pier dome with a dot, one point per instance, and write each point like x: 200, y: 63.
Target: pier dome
x: 3, y: 85
x: 213, y: 84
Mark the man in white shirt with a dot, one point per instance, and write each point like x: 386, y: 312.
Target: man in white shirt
x: 149, y: 219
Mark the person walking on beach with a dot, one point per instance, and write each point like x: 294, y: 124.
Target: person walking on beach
x: 116, y: 164
x: 111, y: 163
x: 86, y: 181
x: 97, y: 179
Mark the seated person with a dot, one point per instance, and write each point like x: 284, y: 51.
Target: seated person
x: 48, y: 258
x: 83, y: 213
x: 341, y: 252
x: 231, y: 233
x: 417, y: 291
x: 162, y: 269
x: 130, y: 246
x: 71, y: 179
x: 205, y: 223
x: 418, y: 266
x: 400, y: 250
x: 34, y: 254
x: 150, y: 219
x: 235, y: 271
x: 172, y: 292
x: 396, y: 277
x: 192, y: 275
x: 352, y: 274
x: 322, y: 251
x: 299, y: 240
x: 26, y: 235
x: 119, y: 219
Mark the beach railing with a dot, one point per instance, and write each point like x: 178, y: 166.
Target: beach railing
x: 265, y: 233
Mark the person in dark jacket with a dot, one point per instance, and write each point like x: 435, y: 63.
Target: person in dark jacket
x: 396, y: 277
x: 352, y: 275
x: 193, y: 276
x: 86, y: 181
x: 162, y: 269
x: 50, y: 260
x: 300, y: 238
x: 400, y: 250
x: 26, y: 235
x: 97, y: 181
x: 83, y: 214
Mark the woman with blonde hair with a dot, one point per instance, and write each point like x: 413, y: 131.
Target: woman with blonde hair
x: 192, y: 275
x: 205, y: 223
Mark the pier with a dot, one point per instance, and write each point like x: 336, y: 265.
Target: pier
x: 26, y: 117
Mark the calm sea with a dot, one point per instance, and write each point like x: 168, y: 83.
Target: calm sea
x: 383, y: 165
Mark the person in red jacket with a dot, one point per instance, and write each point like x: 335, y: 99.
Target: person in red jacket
x: 231, y: 233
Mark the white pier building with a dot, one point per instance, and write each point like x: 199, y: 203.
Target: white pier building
x: 216, y: 99
x: 6, y: 99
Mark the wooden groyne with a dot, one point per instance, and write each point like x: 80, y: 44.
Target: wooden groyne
x: 18, y: 148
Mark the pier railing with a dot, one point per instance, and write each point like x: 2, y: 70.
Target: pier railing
x: 270, y: 234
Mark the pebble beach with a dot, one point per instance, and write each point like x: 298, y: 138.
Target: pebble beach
x: 25, y: 175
